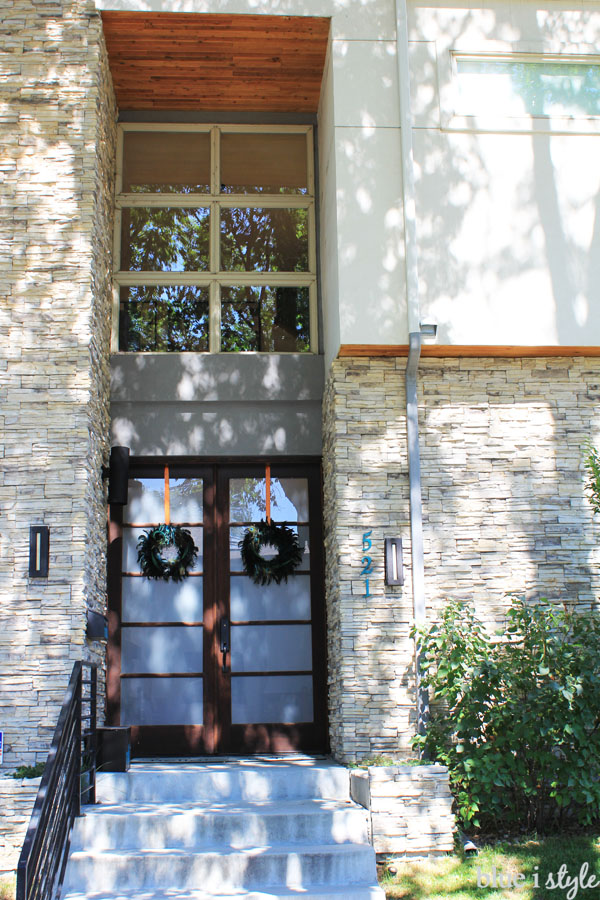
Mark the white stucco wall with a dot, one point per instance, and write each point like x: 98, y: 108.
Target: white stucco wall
x: 507, y: 208
x: 506, y: 211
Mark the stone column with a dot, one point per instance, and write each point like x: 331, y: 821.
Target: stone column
x: 58, y: 133
x: 370, y: 652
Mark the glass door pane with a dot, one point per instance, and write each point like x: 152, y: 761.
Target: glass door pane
x: 162, y: 622
x: 271, y: 633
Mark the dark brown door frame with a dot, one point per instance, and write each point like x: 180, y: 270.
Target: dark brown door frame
x: 218, y: 735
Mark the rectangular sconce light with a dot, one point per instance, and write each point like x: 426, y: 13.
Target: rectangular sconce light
x: 394, y: 570
x: 39, y: 551
x: 97, y: 626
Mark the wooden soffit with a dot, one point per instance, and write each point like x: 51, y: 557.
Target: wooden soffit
x: 209, y: 62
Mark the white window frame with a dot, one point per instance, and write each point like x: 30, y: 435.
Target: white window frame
x: 213, y: 278
x: 451, y: 119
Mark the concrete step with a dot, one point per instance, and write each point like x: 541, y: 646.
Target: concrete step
x: 236, y: 825
x: 221, y: 870
x: 247, y: 780
x: 317, y: 892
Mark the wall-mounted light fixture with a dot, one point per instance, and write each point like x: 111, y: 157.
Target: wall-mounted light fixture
x: 39, y: 551
x: 97, y: 626
x: 394, y: 570
x: 117, y: 473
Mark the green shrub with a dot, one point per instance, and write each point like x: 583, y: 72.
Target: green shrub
x: 517, y: 720
x: 592, y: 467
x: 29, y: 771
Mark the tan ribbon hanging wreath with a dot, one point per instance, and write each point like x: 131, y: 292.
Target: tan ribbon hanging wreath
x: 266, y: 533
x: 153, y: 546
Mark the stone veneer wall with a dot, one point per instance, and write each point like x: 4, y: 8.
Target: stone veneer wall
x: 16, y: 802
x: 370, y: 654
x: 504, y: 499
x: 410, y: 809
x: 504, y: 511
x: 58, y: 133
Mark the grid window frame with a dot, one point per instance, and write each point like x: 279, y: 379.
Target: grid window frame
x: 214, y: 278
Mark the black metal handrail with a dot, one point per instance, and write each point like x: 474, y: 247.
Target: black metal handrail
x: 44, y: 855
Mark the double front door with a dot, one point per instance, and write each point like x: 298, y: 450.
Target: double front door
x: 216, y: 663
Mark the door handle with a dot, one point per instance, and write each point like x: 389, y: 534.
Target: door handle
x: 224, y: 634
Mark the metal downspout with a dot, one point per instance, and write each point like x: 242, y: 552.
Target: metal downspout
x: 414, y: 346
x: 416, y: 512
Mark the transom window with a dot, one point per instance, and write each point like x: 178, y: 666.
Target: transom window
x: 215, y: 239
x: 514, y: 85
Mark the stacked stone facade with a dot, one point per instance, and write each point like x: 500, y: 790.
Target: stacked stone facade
x: 370, y: 654
x: 16, y: 798
x: 57, y: 125
x: 410, y: 809
x: 504, y: 510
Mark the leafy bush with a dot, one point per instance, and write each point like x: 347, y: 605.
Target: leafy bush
x: 30, y: 771
x: 517, y: 720
x: 592, y: 466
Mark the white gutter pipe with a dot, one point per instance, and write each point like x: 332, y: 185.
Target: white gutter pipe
x: 414, y: 345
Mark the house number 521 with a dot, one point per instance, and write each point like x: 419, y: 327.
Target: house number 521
x: 367, y: 567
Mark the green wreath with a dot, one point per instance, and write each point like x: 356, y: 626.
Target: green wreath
x: 289, y: 554
x: 152, y: 545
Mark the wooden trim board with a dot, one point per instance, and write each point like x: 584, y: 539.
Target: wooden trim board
x: 464, y: 351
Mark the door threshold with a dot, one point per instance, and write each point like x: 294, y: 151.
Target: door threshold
x: 241, y: 758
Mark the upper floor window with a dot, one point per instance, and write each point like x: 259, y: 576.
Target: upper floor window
x: 526, y: 85
x: 215, y: 239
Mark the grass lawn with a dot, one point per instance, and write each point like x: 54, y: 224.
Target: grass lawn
x: 7, y: 888
x: 538, y: 861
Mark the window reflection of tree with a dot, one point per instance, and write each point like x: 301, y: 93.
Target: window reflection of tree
x: 557, y: 88
x: 173, y: 318
x: 267, y: 240
x: 265, y: 318
x: 165, y: 239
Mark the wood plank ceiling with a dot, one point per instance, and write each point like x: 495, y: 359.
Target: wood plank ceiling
x: 210, y: 62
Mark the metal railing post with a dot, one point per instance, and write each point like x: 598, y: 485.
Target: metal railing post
x: 93, y: 736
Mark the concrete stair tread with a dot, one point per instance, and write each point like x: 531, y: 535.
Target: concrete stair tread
x: 283, y: 849
x: 242, y: 782
x: 315, y: 892
x: 228, y: 808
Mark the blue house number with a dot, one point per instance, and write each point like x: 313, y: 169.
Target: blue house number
x: 367, y: 567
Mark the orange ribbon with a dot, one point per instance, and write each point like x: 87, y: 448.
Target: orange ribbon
x: 167, y: 498
x: 268, y: 491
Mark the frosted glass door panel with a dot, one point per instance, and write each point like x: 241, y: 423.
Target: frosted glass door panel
x: 235, y: 556
x: 186, y: 496
x: 161, y: 601
x: 159, y: 650
x: 256, y: 602
x: 289, y: 499
x: 130, y: 553
x: 161, y: 701
x: 285, y: 699
x: 271, y: 648
x: 146, y: 501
